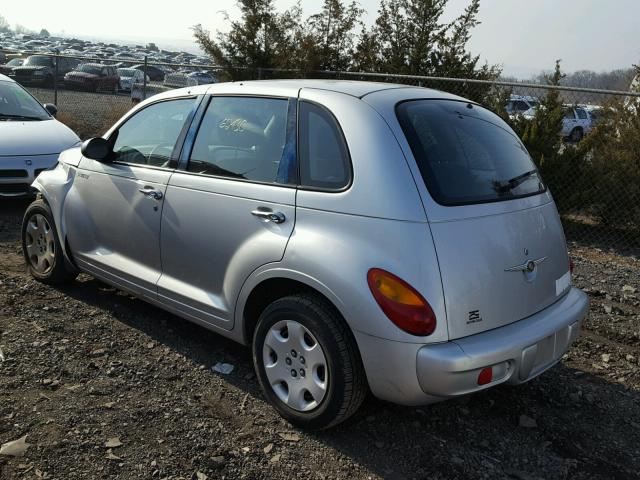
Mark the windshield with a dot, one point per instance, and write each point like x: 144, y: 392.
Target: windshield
x: 126, y: 72
x: 39, y: 61
x: 89, y: 69
x: 17, y: 104
x: 16, y: 62
x: 466, y: 154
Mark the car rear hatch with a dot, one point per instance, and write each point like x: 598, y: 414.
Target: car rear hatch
x: 498, y: 237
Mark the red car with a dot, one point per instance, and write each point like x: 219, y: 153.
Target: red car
x: 93, y: 77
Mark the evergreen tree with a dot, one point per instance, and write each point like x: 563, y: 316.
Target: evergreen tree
x: 408, y: 37
x: 332, y: 34
x: 252, y: 43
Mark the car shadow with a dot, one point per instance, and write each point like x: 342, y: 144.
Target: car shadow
x: 566, y: 422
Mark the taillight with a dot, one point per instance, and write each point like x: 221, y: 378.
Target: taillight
x: 571, y: 265
x: 401, y: 303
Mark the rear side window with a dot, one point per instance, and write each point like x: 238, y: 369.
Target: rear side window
x: 244, y: 138
x: 466, y: 154
x: 323, y: 154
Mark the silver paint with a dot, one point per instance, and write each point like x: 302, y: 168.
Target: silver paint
x: 200, y: 248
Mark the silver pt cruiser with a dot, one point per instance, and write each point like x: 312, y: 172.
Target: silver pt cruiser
x: 359, y: 236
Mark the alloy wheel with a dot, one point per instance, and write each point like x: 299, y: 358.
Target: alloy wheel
x: 40, y: 244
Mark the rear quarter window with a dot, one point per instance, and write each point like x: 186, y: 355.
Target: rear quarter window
x: 322, y: 150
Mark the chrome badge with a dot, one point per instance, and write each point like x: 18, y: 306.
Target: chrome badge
x: 528, y: 266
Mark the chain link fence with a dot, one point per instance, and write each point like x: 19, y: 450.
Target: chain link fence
x: 591, y: 163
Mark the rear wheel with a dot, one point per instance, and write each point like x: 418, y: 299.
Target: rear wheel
x: 576, y: 135
x: 307, y: 362
x: 41, y: 247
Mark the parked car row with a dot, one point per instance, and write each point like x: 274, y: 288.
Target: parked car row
x: 41, y: 70
x: 21, y: 43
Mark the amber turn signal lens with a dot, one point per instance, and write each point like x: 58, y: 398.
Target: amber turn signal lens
x: 401, y: 303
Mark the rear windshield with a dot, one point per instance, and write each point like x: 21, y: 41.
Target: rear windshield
x: 466, y: 154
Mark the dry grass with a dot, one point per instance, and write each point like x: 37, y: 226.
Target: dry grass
x: 95, y: 123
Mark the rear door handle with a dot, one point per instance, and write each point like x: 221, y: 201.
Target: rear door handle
x: 149, y: 192
x: 270, y: 216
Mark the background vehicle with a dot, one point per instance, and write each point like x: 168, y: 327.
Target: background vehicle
x: 93, y: 77
x: 519, y: 104
x: 8, y: 67
x: 577, y: 123
x: 390, y: 278
x: 179, y: 79
x: 31, y: 138
x: 41, y: 70
x: 129, y: 76
x: 202, y: 78
x: 154, y: 73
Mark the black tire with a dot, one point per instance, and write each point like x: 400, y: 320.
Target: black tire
x: 576, y: 135
x: 347, y: 385
x: 57, y: 271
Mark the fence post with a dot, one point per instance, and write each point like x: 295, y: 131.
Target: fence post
x: 55, y: 77
x: 144, y: 80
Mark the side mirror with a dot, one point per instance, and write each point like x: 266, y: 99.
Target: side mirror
x: 95, y: 149
x: 51, y: 108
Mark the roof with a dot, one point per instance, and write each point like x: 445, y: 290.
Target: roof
x: 354, y: 88
x: 4, y: 78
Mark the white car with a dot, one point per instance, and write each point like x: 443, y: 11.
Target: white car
x: 129, y: 76
x: 577, y: 123
x: 30, y: 138
x: 519, y: 104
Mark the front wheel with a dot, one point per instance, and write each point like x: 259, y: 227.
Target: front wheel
x: 41, y: 247
x: 307, y: 362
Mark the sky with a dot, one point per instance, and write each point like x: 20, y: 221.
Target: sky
x: 524, y: 36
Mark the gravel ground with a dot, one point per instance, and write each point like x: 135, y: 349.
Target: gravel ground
x: 106, y: 386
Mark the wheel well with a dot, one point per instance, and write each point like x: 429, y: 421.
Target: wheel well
x: 268, y: 291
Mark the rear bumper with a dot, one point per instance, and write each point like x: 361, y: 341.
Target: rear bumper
x: 414, y: 374
x: 517, y: 352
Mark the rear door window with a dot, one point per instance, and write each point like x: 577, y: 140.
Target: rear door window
x: 246, y: 138
x: 324, y: 158
x: 466, y: 154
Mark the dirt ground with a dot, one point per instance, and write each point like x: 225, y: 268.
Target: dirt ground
x: 85, y: 367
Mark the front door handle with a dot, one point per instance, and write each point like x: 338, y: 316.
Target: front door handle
x: 270, y: 216
x: 147, y: 192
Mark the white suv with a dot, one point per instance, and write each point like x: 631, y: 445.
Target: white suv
x: 577, y: 122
